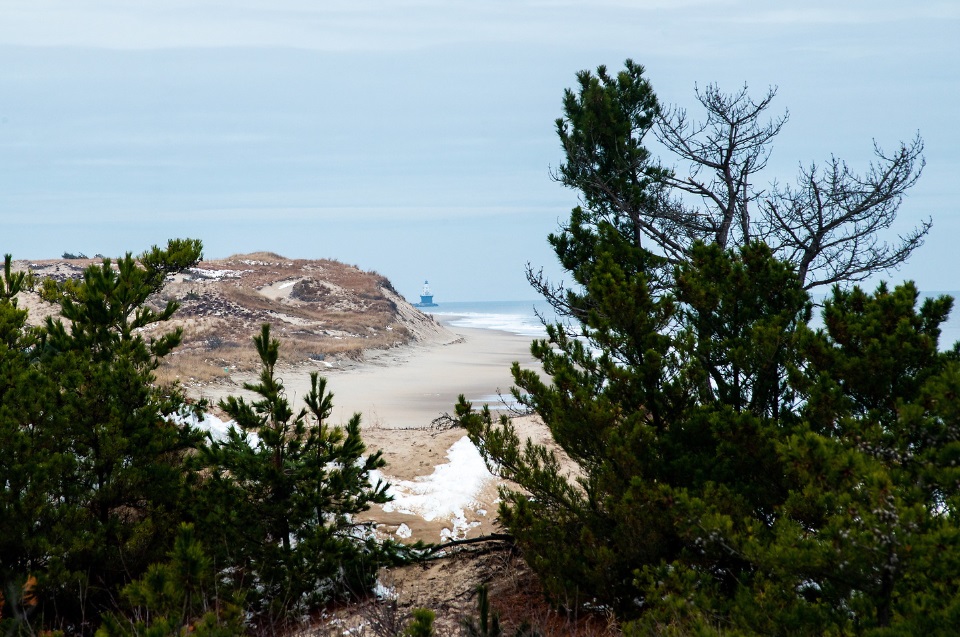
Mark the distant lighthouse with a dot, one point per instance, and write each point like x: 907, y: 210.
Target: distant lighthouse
x: 426, y: 297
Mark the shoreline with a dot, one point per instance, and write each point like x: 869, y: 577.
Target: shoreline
x: 399, y: 392
x: 407, y: 387
x: 441, y: 487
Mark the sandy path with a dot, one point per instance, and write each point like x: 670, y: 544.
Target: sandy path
x: 412, y: 389
x: 408, y: 387
x: 399, y: 393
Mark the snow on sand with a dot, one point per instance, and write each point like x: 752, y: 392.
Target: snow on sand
x: 445, y: 493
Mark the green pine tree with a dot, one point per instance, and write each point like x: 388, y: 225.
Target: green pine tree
x: 422, y: 623
x: 681, y: 399
x: 28, y: 471
x: 97, y: 476
x: 176, y: 597
x: 284, y: 486
x: 716, y: 465
x: 487, y: 622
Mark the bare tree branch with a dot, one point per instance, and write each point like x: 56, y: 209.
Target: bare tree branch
x: 723, y: 153
x: 828, y: 224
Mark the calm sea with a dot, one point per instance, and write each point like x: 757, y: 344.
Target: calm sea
x: 516, y: 317
x: 520, y: 317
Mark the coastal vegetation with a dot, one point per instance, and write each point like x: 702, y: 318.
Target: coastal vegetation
x: 720, y: 466
x: 120, y: 516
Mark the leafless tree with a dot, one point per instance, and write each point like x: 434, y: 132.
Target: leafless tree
x: 828, y: 225
x: 723, y: 152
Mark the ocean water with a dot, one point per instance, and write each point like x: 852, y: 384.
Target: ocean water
x: 515, y: 317
x: 520, y: 317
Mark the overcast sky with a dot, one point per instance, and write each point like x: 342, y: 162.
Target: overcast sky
x: 416, y: 137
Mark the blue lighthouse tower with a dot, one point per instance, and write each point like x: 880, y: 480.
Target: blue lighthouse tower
x: 426, y: 297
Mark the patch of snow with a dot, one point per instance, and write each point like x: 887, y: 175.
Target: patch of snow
x: 288, y: 284
x: 382, y: 591
x: 403, y: 531
x: 217, y: 428
x: 460, y: 527
x: 444, y: 493
x: 216, y: 274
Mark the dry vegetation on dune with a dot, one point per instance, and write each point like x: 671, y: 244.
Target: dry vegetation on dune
x: 321, y: 310
x: 448, y: 586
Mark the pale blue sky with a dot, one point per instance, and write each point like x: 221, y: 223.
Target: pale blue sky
x: 416, y: 137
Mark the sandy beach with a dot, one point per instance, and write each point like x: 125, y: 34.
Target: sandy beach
x: 408, y: 387
x: 441, y: 487
x: 414, y: 386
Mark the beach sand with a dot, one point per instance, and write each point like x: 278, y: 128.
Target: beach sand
x: 441, y: 486
x: 412, y: 387
x: 442, y: 489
